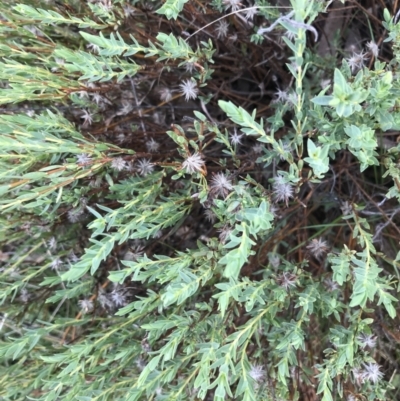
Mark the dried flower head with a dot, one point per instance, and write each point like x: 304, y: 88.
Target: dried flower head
x: 235, y: 138
x: 222, y: 29
x: 346, y: 208
x: 55, y: 264
x: 84, y: 159
x: 331, y: 285
x: 258, y: 148
x: 135, y: 253
x: 325, y: 82
x: 281, y: 95
x: 282, y: 189
x: 193, y: 163
x: 317, y: 247
x: 140, y: 364
x: 210, y: 216
x: 224, y: 233
x: 367, y: 340
x: 126, y: 108
x: 86, y: 305
x: 220, y: 185
x: 274, y: 260
x: 75, y: 215
x: 234, y: 5
x: 286, y: 280
x: 52, y: 243
x: 189, y: 66
x: 128, y: 10
x: 251, y: 13
x: 373, y: 48
x: 104, y: 301
x: 118, y: 163
x: 372, y: 372
x: 97, y: 98
x: 358, y: 375
x: 94, y: 48
x: 144, y: 167
x: 117, y: 298
x: 24, y: 296
x: 87, y: 118
x: 165, y: 94
x: 189, y: 89
x: 233, y: 38
x: 152, y: 145
x: 72, y: 257
x: 146, y: 347
x: 356, y: 61
x: 257, y: 373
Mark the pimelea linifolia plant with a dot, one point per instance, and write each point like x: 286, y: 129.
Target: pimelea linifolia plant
x: 196, y: 203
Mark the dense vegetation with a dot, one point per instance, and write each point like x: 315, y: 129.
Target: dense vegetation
x: 199, y: 200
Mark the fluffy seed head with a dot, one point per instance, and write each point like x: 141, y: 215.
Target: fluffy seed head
x: 286, y: 280
x: 281, y: 95
x: 356, y: 61
x: 367, y: 340
x: 346, y: 208
x: 358, y: 375
x: 282, y: 190
x: 372, y: 372
x: 221, y: 185
x: 189, y: 67
x: 118, y: 163
x: 258, y: 148
x: 222, y: 29
x: 373, y: 48
x: 189, y: 89
x: 193, y: 163
x: 152, y: 145
x: 84, y: 159
x: 56, y: 263
x: 236, y: 138
x: 75, y: 215
x: 210, y: 216
x: 251, y: 13
x: 52, y: 243
x: 144, y: 167
x: 257, y: 373
x: 93, y: 47
x: 232, y: 4
x: 117, y: 298
x: 128, y: 10
x: 165, y: 94
x: 140, y: 364
x: 86, y: 305
x: 24, y: 295
x: 134, y: 253
x: 87, y: 118
x: 317, y: 247
x: 274, y: 260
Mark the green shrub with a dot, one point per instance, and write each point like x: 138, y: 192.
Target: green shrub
x: 237, y: 254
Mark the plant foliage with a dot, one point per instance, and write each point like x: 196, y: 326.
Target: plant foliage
x: 228, y: 252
